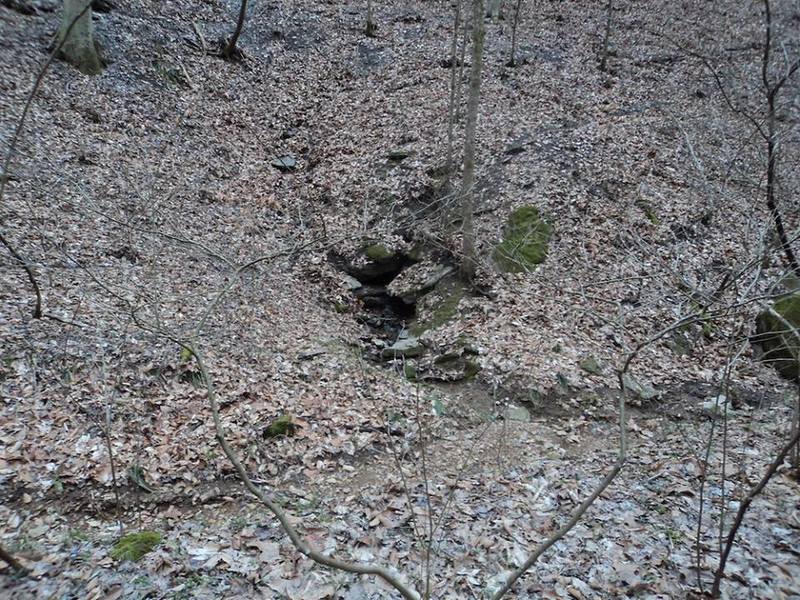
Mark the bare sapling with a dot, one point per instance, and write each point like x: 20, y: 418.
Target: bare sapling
x: 370, y: 28
x: 512, y: 60
x: 230, y: 51
x: 12, y: 147
x: 606, y: 35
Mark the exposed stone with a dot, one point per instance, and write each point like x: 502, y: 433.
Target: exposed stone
x: 439, y: 306
x: 780, y: 345
x: 405, y: 347
x: 644, y: 391
x: 286, y: 163
x: 399, y: 154
x: 376, y: 264
x: 417, y: 280
x: 591, y: 366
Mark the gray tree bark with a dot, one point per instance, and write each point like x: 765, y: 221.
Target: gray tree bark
x: 78, y: 47
x: 468, y: 262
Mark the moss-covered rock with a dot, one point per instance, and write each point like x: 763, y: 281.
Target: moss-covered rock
x: 377, y: 252
x: 781, y: 348
x: 591, y: 366
x: 134, y: 546
x: 440, y: 306
x: 525, y: 239
x: 281, y: 426
x: 375, y: 263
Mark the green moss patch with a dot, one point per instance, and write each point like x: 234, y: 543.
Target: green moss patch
x: 134, y: 546
x: 781, y: 347
x: 525, y: 239
x: 377, y: 252
x: 281, y: 426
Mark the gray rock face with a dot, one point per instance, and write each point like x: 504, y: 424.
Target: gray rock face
x: 405, y: 347
x: 417, y: 280
x: 644, y: 391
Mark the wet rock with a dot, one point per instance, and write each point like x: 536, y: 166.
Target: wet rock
x: 405, y: 347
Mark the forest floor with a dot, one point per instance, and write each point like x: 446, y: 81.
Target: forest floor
x: 139, y: 192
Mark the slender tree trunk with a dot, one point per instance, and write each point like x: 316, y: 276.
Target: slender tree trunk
x: 468, y: 263
x: 451, y: 107
x: 493, y: 10
x: 461, y: 61
x: 230, y: 48
x: 771, y: 91
x: 77, y: 44
x: 512, y: 62
x: 606, y: 35
x: 371, y: 28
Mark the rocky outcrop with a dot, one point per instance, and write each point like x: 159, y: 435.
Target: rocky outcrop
x: 777, y: 336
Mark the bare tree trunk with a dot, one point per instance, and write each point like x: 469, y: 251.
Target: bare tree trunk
x: 512, y: 62
x: 451, y: 107
x: 771, y: 91
x: 607, y: 35
x: 493, y: 10
x: 468, y: 264
x: 77, y: 43
x: 461, y: 61
x: 371, y: 28
x: 230, y: 48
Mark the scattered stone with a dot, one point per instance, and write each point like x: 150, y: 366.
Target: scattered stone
x: 525, y: 239
x: 516, y: 147
x: 286, y: 163
x: 351, y: 283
